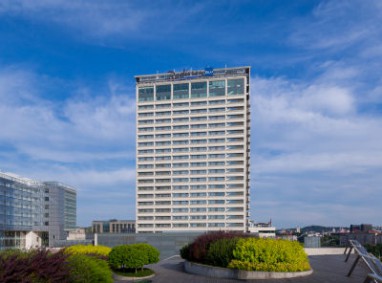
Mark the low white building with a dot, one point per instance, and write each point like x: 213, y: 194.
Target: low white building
x: 264, y: 230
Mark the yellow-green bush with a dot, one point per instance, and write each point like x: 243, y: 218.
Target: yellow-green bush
x: 102, y: 251
x: 85, y: 269
x: 256, y: 254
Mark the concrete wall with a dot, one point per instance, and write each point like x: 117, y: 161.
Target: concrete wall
x: 168, y: 244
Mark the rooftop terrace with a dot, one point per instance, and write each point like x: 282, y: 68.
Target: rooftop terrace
x: 326, y: 269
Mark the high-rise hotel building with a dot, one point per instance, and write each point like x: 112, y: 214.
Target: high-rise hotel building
x: 193, y: 150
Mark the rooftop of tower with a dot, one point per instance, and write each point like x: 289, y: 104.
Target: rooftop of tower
x: 207, y: 72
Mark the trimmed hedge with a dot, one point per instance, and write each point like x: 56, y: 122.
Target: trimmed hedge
x: 97, y: 251
x: 241, y: 251
x: 132, y: 256
x: 198, y: 249
x: 85, y: 269
x: 220, y: 252
x: 269, y: 255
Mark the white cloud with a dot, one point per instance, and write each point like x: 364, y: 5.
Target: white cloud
x: 313, y: 152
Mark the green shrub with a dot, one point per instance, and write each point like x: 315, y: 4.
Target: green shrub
x: 220, y: 252
x: 152, y: 252
x: 197, y: 250
x: 269, y: 255
x: 128, y: 257
x: 85, y: 269
x: 185, y: 252
x: 100, y: 251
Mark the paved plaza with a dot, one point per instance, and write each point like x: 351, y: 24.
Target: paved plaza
x: 327, y: 269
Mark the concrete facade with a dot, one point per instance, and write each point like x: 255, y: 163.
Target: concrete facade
x: 193, y: 151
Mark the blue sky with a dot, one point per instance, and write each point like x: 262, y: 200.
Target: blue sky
x: 67, y: 97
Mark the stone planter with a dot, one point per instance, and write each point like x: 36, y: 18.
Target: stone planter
x: 220, y: 272
x: 129, y: 278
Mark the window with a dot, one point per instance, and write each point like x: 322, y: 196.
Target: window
x: 214, y: 179
x: 145, y: 158
x: 198, y: 149
x: 162, y: 136
x: 161, y: 121
x: 181, y: 172
x: 150, y: 129
x: 145, y: 107
x: 162, y: 143
x: 216, y: 148
x: 198, y: 164
x: 217, y: 88
x: 180, y: 180
x: 144, y: 137
x: 163, y: 188
x: 149, y: 114
x: 216, y: 163
x: 180, y: 127
x: 163, y: 92
x: 145, y: 122
x: 145, y: 144
x: 163, y: 158
x: 198, y: 141
x: 162, y: 173
x: 198, y: 134
x: 179, y: 165
x: 178, y: 120
x: 199, y: 126
x: 216, y: 209
x: 181, y: 91
x: 180, y: 195
x: 198, y: 195
x: 198, y: 180
x: 198, y: 111
x: 146, y: 94
x: 163, y: 113
x: 216, y: 140
x: 214, y: 110
x: 217, y: 186
x: 214, y: 102
x: 178, y: 135
x: 180, y: 210
x: 180, y: 112
x: 198, y: 172
x: 181, y: 104
x: 240, y: 100
x: 180, y: 188
x: 235, y: 86
x: 218, y: 201
x: 216, y: 171
x: 216, y: 125
x: 163, y: 106
x: 166, y: 128
x: 179, y: 157
x: 198, y: 119
x: 198, y: 187
x: 198, y: 103
x: 198, y: 209
x: 200, y: 156
x: 198, y: 89
x: 216, y: 156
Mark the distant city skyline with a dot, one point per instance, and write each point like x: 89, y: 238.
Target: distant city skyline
x: 67, y: 97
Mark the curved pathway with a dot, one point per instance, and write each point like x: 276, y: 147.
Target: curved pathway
x: 327, y: 269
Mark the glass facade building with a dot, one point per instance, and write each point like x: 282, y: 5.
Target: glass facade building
x: 34, y: 213
x: 193, y: 150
